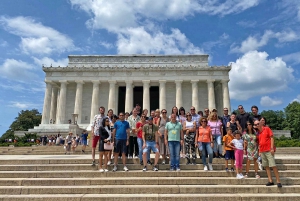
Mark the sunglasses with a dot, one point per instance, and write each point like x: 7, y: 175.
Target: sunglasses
x: 142, y: 116
x: 164, y: 112
x: 256, y: 124
x: 205, y: 110
x: 192, y: 109
x: 240, y: 108
x: 204, y: 121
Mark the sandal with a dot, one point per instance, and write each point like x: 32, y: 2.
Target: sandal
x: 257, y: 175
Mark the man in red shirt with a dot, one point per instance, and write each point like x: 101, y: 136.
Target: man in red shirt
x: 266, y: 151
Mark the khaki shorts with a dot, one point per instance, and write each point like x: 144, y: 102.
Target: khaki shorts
x: 268, y: 159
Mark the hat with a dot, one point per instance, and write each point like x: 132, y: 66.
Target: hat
x: 150, y: 118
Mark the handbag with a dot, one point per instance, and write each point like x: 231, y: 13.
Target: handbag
x: 109, y: 146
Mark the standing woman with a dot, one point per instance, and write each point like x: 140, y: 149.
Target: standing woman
x: 105, y: 137
x: 139, y: 130
x: 110, y: 114
x: 217, y: 132
x: 163, y: 148
x: 251, y: 148
x: 175, y: 111
x: 204, y: 142
x: 112, y: 122
x: 182, y: 119
x: 157, y: 117
x: 189, y: 128
x: 182, y: 116
x: 233, y: 124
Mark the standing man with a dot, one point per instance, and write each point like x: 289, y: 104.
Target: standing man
x: 195, y: 117
x: 254, y: 116
x: 133, y: 145
x: 242, y: 118
x: 121, y: 136
x: 150, y: 142
x: 225, y: 119
x: 206, y: 113
x: 266, y: 151
x: 97, y: 122
x: 173, y: 138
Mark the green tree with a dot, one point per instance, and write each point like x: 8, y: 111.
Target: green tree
x: 26, y: 119
x: 275, y: 119
x: 292, y: 112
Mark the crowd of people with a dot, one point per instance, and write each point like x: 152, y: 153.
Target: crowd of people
x: 182, y: 134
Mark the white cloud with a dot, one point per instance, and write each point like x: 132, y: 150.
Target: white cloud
x: 254, y: 42
x: 46, y: 61
x: 17, y: 70
x: 294, y: 58
x: 106, y: 45
x: 139, y: 41
x: 221, y: 41
x: 119, y: 14
x: 297, y: 99
x: 266, y: 101
x: 3, y: 43
x: 247, y: 24
x: 254, y: 74
x: 23, y: 105
x: 37, y: 38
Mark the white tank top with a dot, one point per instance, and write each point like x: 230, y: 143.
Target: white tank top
x: 189, y: 124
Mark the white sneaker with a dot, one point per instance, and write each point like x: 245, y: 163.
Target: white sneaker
x: 260, y: 166
x: 101, y: 170
x: 125, y: 169
x: 242, y: 176
x: 238, y: 176
x: 105, y: 170
x: 109, y: 163
x: 210, y: 167
x: 205, y: 168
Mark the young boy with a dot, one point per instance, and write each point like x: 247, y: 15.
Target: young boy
x: 229, y: 149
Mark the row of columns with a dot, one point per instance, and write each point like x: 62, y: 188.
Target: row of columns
x: 55, y: 106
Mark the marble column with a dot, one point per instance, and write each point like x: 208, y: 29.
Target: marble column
x: 162, y: 94
x: 129, y: 96
x: 61, y: 113
x: 178, y: 93
x: 78, y: 100
x: 211, y: 94
x: 95, y: 99
x: 195, y: 98
x: 47, y: 104
x: 146, y: 95
x: 53, y: 104
x: 226, y: 97
x: 112, y: 95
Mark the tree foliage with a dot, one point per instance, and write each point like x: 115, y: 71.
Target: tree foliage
x: 26, y: 119
x: 275, y: 119
x: 292, y: 121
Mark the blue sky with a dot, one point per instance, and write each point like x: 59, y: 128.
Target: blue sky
x: 260, y: 38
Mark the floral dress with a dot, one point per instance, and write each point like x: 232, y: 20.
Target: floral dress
x: 252, y: 147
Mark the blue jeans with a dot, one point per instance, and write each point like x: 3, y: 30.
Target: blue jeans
x: 206, y: 148
x: 217, y: 144
x: 174, y: 147
x: 140, y: 143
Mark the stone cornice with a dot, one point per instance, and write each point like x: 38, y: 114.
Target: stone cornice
x: 132, y: 68
x: 136, y: 59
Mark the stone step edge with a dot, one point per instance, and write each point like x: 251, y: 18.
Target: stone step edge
x: 151, y: 186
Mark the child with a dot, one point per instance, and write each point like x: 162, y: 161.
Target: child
x: 74, y: 144
x: 229, y: 149
x: 238, y: 144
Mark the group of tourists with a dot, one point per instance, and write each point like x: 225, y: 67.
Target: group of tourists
x: 181, y: 134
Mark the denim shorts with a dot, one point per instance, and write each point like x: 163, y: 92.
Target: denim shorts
x: 150, y: 145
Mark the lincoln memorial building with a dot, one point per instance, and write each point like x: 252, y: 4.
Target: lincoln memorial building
x: 119, y: 82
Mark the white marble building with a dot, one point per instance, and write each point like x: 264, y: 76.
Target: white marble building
x: 118, y: 82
